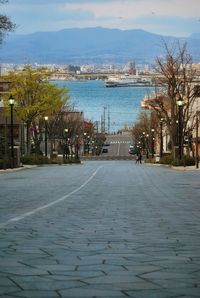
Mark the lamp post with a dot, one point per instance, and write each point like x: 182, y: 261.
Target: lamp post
x: 139, y: 147
x: 197, y: 140
x: 11, y: 102
x: 161, y: 137
x: 84, y: 136
x: 152, y: 142
x: 45, y: 138
x: 180, y: 129
x: 88, y: 144
x: 92, y: 147
x: 66, y: 143
x: 143, y: 141
x: 76, y: 147
x: 177, y: 132
x: 147, y: 142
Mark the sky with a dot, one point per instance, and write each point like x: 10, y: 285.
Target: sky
x: 178, y: 18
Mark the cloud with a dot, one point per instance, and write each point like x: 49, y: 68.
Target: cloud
x: 165, y: 25
x: 136, y: 8
x: 158, y: 16
x: 58, y: 2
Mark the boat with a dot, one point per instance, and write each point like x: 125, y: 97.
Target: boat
x: 128, y: 81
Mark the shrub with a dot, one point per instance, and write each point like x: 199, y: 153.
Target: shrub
x: 166, y: 159
x: 4, y: 164
x: 72, y: 160
x: 185, y: 161
x: 1, y: 164
x: 190, y: 161
x: 34, y: 159
x: 149, y: 160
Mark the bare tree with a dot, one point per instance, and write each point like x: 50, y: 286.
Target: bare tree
x: 143, y: 127
x: 175, y: 82
x: 6, y: 25
x: 64, y: 128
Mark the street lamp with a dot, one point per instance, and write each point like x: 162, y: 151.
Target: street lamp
x: 92, y: 147
x: 76, y: 147
x: 66, y: 143
x: 161, y: 137
x: 45, y: 139
x: 177, y: 132
x: 152, y: 142
x: 147, y: 142
x: 88, y: 144
x: 197, y: 139
x: 11, y: 102
x: 143, y: 141
x: 84, y: 136
x: 180, y: 128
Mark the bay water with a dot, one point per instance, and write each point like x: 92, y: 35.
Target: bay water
x: 119, y: 105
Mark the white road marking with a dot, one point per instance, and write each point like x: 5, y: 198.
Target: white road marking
x: 20, y: 217
x: 117, y: 142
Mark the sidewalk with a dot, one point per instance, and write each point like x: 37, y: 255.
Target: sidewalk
x: 2, y: 171
x: 178, y: 168
x: 188, y: 168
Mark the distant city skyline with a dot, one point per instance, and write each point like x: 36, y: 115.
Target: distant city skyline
x: 167, y: 17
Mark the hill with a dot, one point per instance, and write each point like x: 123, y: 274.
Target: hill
x: 88, y: 45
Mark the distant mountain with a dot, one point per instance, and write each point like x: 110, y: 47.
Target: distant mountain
x: 195, y: 36
x: 89, y: 45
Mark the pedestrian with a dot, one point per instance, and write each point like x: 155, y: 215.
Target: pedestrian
x: 140, y: 158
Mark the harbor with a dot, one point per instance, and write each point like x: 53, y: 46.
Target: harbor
x: 119, y: 106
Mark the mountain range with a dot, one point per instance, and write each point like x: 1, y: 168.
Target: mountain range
x: 90, y: 45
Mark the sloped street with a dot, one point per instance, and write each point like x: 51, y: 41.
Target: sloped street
x: 100, y: 229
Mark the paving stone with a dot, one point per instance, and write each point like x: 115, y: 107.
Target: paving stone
x: 151, y: 294
x: 23, y: 271
x: 46, y: 285
x: 113, y: 279
x: 165, y: 275
x: 131, y: 231
x: 101, y: 267
x: 91, y: 293
x: 5, y: 290
x: 5, y: 282
x: 34, y: 294
x: 190, y: 291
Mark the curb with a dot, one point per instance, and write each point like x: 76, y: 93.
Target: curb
x: 178, y: 168
x: 17, y: 169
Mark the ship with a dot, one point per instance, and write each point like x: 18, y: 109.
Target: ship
x: 128, y: 81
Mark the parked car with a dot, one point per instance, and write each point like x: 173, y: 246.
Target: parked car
x: 104, y: 150
x: 106, y: 143
x: 131, y: 151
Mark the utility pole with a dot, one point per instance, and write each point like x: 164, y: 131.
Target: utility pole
x: 108, y: 120
x: 97, y: 127
x: 102, y: 124
x: 104, y: 119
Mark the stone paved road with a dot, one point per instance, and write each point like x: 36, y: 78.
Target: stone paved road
x: 101, y: 229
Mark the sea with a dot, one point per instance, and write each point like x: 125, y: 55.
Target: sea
x: 116, y: 107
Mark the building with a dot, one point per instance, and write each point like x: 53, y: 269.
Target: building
x: 191, y: 138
